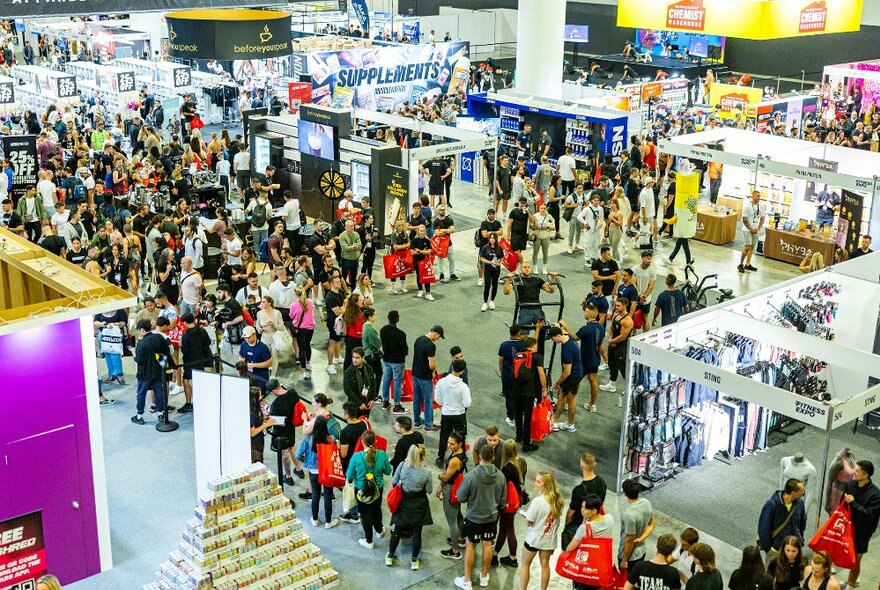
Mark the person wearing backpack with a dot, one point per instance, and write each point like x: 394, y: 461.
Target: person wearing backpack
x: 260, y: 209
x: 513, y: 468
x: 367, y: 471
x: 529, y: 384
x: 456, y: 467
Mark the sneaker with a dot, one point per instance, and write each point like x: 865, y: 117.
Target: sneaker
x: 288, y: 481
x: 415, y: 564
x: 331, y: 524
x: 484, y: 307
x: 510, y: 422
x: 399, y: 410
x: 307, y: 375
x: 420, y: 294
x: 381, y: 534
x: 462, y: 543
x: 404, y: 290
x: 741, y: 268
x: 315, y: 522
x: 305, y: 495
x: 299, y: 473
x: 107, y: 401
x: 363, y: 543
x: 479, y: 282
x: 491, y: 305
x: 417, y: 424
x: 350, y: 519
x: 454, y: 277
x: 591, y: 408
x: 389, y: 560
x: 308, y: 365
x: 603, y: 367
x: 443, y: 278
x: 569, y: 428
x: 608, y: 386
x: 429, y: 297
x: 339, y: 360
x: 570, y: 250
x: 139, y: 420
x: 530, y: 448
x: 508, y: 561
x: 386, y: 405
x: 484, y: 580
x: 432, y: 428
x: 153, y: 409
x: 394, y: 289
x: 175, y: 390
x: 185, y: 408
x: 556, y: 427
x: 120, y: 379
x: 752, y: 268
x: 331, y: 370
x: 463, y: 584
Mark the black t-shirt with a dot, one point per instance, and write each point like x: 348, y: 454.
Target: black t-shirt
x: 520, y: 224
x: 503, y: 177
x: 54, y: 244
x: 606, y: 269
x: 423, y: 349
x: 283, y: 405
x: 646, y: 575
x: 11, y: 219
x: 437, y: 168
x: 419, y: 244
x: 595, y: 486
x: 737, y: 582
x: 444, y: 223
x: 530, y: 289
x: 332, y: 300
x: 403, y: 445
x: 415, y: 222
x: 77, y: 258
x: 315, y: 241
x: 488, y: 226
x: 349, y: 436
x: 324, y: 274
x: 706, y: 581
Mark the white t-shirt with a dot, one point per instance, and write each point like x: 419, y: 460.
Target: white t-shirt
x: 30, y: 209
x: 567, y: 167
x: 4, y: 185
x: 47, y: 191
x: 282, y: 294
x: 575, y: 199
x: 246, y: 292
x: 233, y: 245
x: 59, y: 221
x: 544, y: 532
x: 684, y: 562
x: 242, y: 161
x: 642, y: 278
x: 591, y: 217
x: 223, y: 168
x: 190, y: 286
x: 754, y: 213
x: 646, y: 202
x: 291, y: 210
x: 89, y: 182
x: 268, y: 206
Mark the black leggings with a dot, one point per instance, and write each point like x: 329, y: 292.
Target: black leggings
x: 490, y: 282
x: 617, y: 360
x: 369, y: 259
x: 416, y: 530
x: 506, y: 533
x: 371, y: 517
x: 304, y: 341
x: 553, y: 208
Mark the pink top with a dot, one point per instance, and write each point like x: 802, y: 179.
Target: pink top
x: 296, y: 315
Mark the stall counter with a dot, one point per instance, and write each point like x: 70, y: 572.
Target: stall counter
x: 716, y: 227
x: 792, y: 247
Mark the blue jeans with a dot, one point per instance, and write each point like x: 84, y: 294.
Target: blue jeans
x: 349, y: 271
x: 143, y: 386
x: 114, y: 363
x: 529, y: 316
x: 395, y: 370
x: 259, y: 236
x: 319, y: 491
x: 423, y: 391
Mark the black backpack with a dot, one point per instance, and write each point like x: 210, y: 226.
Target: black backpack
x: 258, y: 215
x: 523, y: 368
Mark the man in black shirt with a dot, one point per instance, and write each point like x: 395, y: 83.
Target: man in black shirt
x: 444, y: 226
x: 10, y: 219
x: 284, y: 405
x: 348, y: 439
x: 403, y: 426
x: 656, y: 573
x: 528, y: 289
x: 864, y: 247
x: 524, y: 142
x: 151, y: 355
x: 415, y: 220
x: 54, y: 244
x: 439, y: 170
x: 394, y: 353
x: 502, y: 186
x: 319, y: 244
x: 529, y: 384
x: 545, y: 144
x: 333, y: 301
x: 518, y: 227
x: 187, y: 112
x: 195, y: 348
x: 424, y: 365
x: 592, y: 484
x: 488, y: 226
x: 605, y: 269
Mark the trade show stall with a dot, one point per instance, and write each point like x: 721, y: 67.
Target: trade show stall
x: 790, y: 112
x: 97, y: 42
x: 53, y: 467
x: 850, y: 80
x: 817, y: 196
x: 726, y: 382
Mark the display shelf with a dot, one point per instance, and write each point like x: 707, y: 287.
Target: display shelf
x: 244, y: 534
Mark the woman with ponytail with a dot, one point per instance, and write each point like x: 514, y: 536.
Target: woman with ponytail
x: 367, y: 471
x: 543, y: 517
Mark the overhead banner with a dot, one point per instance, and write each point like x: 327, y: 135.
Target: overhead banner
x: 380, y: 79
x: 732, y: 99
x: 22, y: 552
x: 36, y: 8
x: 235, y: 34
x: 359, y: 7
x: 849, y: 224
x: 21, y: 150
x: 754, y: 19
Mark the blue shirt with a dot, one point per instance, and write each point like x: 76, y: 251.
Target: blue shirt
x: 629, y: 291
x: 600, y: 302
x: 506, y: 351
x: 671, y: 305
x: 256, y: 353
x: 570, y: 354
x: 591, y: 336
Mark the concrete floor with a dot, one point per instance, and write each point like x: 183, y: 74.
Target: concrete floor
x: 151, y: 477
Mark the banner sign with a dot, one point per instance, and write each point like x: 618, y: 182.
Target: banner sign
x: 849, y: 223
x: 298, y: 94
x: 731, y: 98
x: 7, y: 92
x: 22, y: 552
x: 757, y: 19
x: 238, y: 34
x: 396, y: 195
x: 385, y: 77
x: 21, y: 150
x: 362, y: 13
x: 813, y: 187
x: 34, y: 8
x: 654, y: 40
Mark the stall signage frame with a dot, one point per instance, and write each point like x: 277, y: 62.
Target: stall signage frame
x: 452, y: 148
x: 7, y: 92
x: 126, y: 82
x: 21, y: 151
x: 856, y: 406
x: 21, y: 567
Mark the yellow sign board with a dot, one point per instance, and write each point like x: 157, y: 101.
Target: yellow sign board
x: 746, y: 19
x: 731, y: 100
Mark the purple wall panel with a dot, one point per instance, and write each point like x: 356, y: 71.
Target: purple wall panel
x: 43, y: 389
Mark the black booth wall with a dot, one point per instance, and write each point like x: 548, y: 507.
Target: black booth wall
x: 781, y: 57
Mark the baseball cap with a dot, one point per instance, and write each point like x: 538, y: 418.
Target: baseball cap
x: 248, y: 331
x: 438, y: 330
x: 272, y: 384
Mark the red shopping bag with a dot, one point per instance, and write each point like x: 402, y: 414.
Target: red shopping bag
x: 542, y: 419
x: 837, y: 537
x: 440, y: 245
x: 589, y: 564
x: 540, y: 200
x: 425, y: 268
x: 406, y: 392
x: 511, y: 260
x: 196, y: 122
x: 398, y: 264
x: 393, y: 498
x: 299, y: 414
x: 381, y: 441
x: 638, y: 319
x: 356, y: 214
x: 330, y: 473
x: 177, y: 333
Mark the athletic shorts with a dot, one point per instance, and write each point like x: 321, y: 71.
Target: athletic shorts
x: 646, y: 308
x: 591, y: 370
x: 749, y: 238
x: 476, y: 533
x: 571, y: 385
x: 333, y: 335
x: 518, y: 243
x: 505, y: 197
x: 435, y: 189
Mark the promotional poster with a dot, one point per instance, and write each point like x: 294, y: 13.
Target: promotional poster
x: 396, y: 195
x: 732, y: 100
x: 654, y: 40
x: 849, y: 223
x: 383, y: 78
x: 21, y: 150
x: 814, y: 188
x: 22, y: 552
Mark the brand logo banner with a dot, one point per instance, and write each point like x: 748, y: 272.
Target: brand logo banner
x: 362, y: 13
x: 21, y: 150
x: 687, y: 14
x: 849, y: 223
x: 385, y: 77
x: 233, y: 35
x: 22, y: 552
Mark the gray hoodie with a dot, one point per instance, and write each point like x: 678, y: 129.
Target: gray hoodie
x: 484, y: 489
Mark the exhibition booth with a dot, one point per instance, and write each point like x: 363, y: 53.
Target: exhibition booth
x: 791, y: 112
x: 843, y: 80
x: 53, y: 483
x: 794, y: 178
x: 730, y: 381
x: 97, y: 42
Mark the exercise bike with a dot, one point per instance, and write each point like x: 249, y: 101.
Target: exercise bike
x: 560, y: 306
x: 696, y: 289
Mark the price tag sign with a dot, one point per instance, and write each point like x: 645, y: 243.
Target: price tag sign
x: 182, y: 77
x: 7, y: 93
x: 125, y: 81
x: 66, y: 87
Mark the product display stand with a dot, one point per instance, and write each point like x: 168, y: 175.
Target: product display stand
x: 244, y: 534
